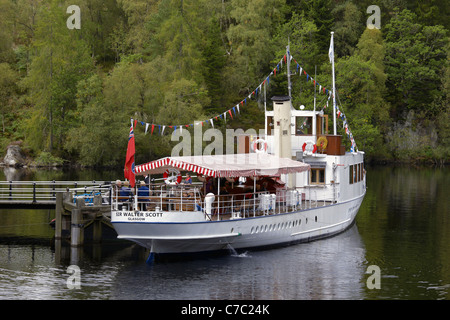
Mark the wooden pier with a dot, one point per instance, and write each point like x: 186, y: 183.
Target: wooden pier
x: 77, y: 205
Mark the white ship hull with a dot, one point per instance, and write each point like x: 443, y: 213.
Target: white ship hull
x: 166, y: 237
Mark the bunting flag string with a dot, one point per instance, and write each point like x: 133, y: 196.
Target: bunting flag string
x: 339, y: 113
x: 301, y: 71
x: 223, y: 116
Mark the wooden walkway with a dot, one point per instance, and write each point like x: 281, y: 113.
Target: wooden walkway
x: 77, y: 204
x: 42, y: 194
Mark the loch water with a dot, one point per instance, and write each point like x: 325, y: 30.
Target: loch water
x: 402, y: 229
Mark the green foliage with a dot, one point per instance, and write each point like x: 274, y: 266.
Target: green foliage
x: 70, y: 94
x: 47, y: 159
x: 414, y: 56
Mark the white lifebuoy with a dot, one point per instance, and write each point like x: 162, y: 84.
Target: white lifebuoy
x: 172, y: 176
x: 309, y: 147
x: 262, y: 145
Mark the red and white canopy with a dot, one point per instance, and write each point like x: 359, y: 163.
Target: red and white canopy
x: 229, y: 165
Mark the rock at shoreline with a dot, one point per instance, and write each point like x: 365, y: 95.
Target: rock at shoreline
x: 14, y: 157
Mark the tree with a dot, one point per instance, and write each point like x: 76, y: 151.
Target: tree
x: 304, y: 47
x: 414, y: 56
x: 348, y: 27
x: 254, y: 24
x: 60, y: 59
x: 319, y: 11
x: 8, y: 90
x: 360, y: 82
x: 215, y: 60
x: 98, y: 125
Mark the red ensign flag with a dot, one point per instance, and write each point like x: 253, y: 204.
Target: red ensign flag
x: 129, y: 162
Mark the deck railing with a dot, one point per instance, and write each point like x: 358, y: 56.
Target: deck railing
x: 233, y: 205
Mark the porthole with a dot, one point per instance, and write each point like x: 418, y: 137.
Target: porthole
x: 315, y: 219
x: 251, y: 230
x: 256, y: 229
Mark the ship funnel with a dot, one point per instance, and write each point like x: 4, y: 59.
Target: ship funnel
x: 282, y: 126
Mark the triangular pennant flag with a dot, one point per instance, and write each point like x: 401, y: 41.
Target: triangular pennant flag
x: 162, y: 131
x: 212, y: 123
x: 153, y: 127
x: 146, y: 127
x: 229, y: 111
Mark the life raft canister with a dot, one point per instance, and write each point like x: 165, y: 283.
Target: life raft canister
x: 175, y: 178
x: 262, y: 145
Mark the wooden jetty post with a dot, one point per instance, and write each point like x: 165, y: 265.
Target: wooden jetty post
x: 72, y: 217
x: 77, y: 225
x: 58, y: 215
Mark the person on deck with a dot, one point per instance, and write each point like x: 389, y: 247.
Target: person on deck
x: 125, y: 191
x: 188, y: 179
x: 143, y: 192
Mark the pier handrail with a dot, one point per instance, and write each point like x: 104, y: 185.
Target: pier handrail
x: 42, y: 191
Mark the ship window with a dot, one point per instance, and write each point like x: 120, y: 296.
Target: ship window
x: 303, y: 126
x: 269, y: 125
x: 317, y: 176
x: 350, y: 174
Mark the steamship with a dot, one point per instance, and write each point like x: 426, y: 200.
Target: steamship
x: 295, y: 184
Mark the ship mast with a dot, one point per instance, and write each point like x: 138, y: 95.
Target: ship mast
x: 288, y: 66
x: 331, y: 54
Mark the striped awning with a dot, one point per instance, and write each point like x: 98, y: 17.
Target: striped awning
x: 229, y: 165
